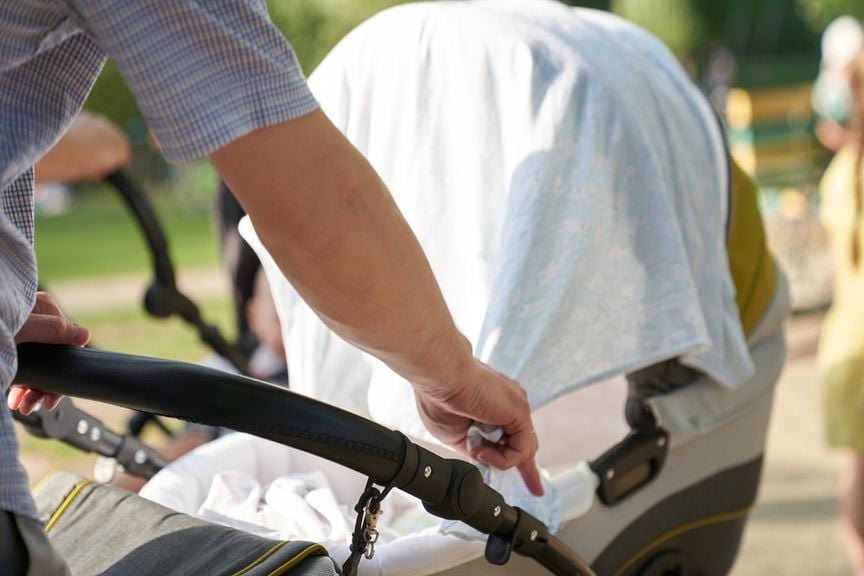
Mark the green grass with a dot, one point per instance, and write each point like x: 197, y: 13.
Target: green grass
x: 134, y: 332
x: 98, y: 237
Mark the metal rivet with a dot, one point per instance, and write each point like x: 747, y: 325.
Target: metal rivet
x: 534, y: 535
x: 427, y: 472
x: 140, y: 457
x: 82, y: 427
x: 610, y: 474
x: 496, y: 511
x: 95, y: 434
x: 661, y: 441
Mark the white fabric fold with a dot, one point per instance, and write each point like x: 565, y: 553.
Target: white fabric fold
x: 509, y: 484
x: 291, y: 507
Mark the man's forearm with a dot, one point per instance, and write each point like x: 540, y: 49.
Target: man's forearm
x: 338, y: 237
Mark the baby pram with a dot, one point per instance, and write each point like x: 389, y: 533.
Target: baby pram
x: 684, y: 504
x: 686, y: 498
x: 666, y: 503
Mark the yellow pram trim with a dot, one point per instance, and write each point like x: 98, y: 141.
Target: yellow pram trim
x: 696, y: 524
x: 750, y: 263
x: 314, y: 549
x: 66, y: 502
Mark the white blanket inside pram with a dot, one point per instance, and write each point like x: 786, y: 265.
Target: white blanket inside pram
x: 566, y: 180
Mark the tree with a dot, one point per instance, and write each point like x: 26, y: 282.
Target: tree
x: 678, y: 23
x: 313, y: 27
x: 819, y: 13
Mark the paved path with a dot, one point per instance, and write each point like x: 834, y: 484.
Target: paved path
x: 87, y: 296
x: 794, y: 530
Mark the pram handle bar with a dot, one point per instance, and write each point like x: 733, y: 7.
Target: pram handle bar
x: 451, y: 489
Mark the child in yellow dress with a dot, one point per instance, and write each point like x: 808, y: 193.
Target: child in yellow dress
x: 841, y: 351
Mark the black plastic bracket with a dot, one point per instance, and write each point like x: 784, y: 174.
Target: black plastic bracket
x: 87, y: 433
x: 527, y: 533
x: 630, y: 464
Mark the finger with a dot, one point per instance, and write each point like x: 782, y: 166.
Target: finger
x: 531, y: 476
x: 16, y: 393
x: 514, y: 449
x: 50, y: 400
x: 505, y: 458
x: 45, y: 304
x: 29, y: 401
x: 498, y: 456
x: 51, y: 329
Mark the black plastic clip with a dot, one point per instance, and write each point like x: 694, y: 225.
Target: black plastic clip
x: 527, y: 533
x: 365, y: 535
x: 630, y: 464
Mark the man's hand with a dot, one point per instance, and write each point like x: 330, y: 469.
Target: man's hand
x: 46, y: 324
x: 483, y: 395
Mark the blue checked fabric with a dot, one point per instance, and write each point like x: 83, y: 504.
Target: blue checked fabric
x: 203, y: 73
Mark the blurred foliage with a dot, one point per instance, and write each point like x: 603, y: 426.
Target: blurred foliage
x: 778, y: 39
x: 313, y: 27
x: 111, y: 97
x: 678, y: 22
x: 819, y: 13
x: 771, y: 41
x: 97, y: 236
x: 749, y: 28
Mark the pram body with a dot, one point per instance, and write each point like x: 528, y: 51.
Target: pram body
x: 690, y: 517
x: 688, y: 520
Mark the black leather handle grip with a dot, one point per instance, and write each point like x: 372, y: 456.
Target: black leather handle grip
x: 208, y: 396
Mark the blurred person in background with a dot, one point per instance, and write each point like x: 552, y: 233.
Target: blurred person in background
x: 841, y: 348
x: 842, y: 40
x: 91, y: 148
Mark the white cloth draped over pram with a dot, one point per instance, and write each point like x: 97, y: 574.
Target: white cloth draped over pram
x: 566, y: 181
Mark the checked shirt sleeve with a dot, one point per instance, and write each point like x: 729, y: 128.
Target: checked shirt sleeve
x: 205, y: 72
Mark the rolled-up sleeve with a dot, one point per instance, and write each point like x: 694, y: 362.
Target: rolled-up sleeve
x: 203, y: 73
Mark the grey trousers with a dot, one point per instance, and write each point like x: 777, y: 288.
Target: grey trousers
x: 25, y: 549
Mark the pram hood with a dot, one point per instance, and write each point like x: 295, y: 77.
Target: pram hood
x: 566, y: 181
